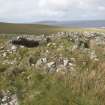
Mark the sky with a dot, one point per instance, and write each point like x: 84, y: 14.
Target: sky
x: 58, y: 10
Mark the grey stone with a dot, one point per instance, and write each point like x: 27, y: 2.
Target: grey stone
x: 13, y: 48
x: 66, y: 62
x: 41, y: 61
x: 51, y: 64
x: 8, y: 99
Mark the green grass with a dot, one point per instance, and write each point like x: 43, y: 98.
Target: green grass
x: 8, y: 28
x: 33, y: 86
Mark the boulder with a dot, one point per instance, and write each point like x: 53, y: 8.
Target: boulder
x: 41, y: 61
x: 66, y: 62
x: 13, y: 48
x: 51, y: 66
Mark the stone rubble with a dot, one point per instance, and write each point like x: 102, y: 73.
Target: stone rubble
x: 41, y: 61
x: 80, y: 39
x: 6, y: 98
x: 85, y: 41
x: 54, y: 61
x: 56, y: 65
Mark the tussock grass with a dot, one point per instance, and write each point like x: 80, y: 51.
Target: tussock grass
x: 85, y: 85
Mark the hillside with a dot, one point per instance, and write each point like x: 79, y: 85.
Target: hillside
x: 25, y: 28
x: 63, y: 68
x: 9, y: 28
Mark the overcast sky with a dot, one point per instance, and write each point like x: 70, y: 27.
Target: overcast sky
x: 37, y: 10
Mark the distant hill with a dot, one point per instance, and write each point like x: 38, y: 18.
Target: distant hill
x: 48, y: 27
x: 25, y: 28
x: 82, y: 24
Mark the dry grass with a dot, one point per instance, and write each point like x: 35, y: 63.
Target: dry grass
x: 85, y: 85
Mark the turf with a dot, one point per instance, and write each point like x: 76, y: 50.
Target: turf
x: 8, y: 28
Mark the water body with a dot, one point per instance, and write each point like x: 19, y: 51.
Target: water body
x: 83, y: 24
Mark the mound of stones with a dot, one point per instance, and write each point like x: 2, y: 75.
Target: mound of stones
x: 58, y: 65
x: 80, y: 39
x: 6, y: 98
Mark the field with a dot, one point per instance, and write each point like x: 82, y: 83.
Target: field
x: 8, y: 28
x: 59, y: 72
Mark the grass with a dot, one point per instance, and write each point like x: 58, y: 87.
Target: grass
x: 8, y: 28
x: 33, y: 86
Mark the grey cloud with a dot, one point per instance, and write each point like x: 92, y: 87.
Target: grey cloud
x: 34, y: 10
